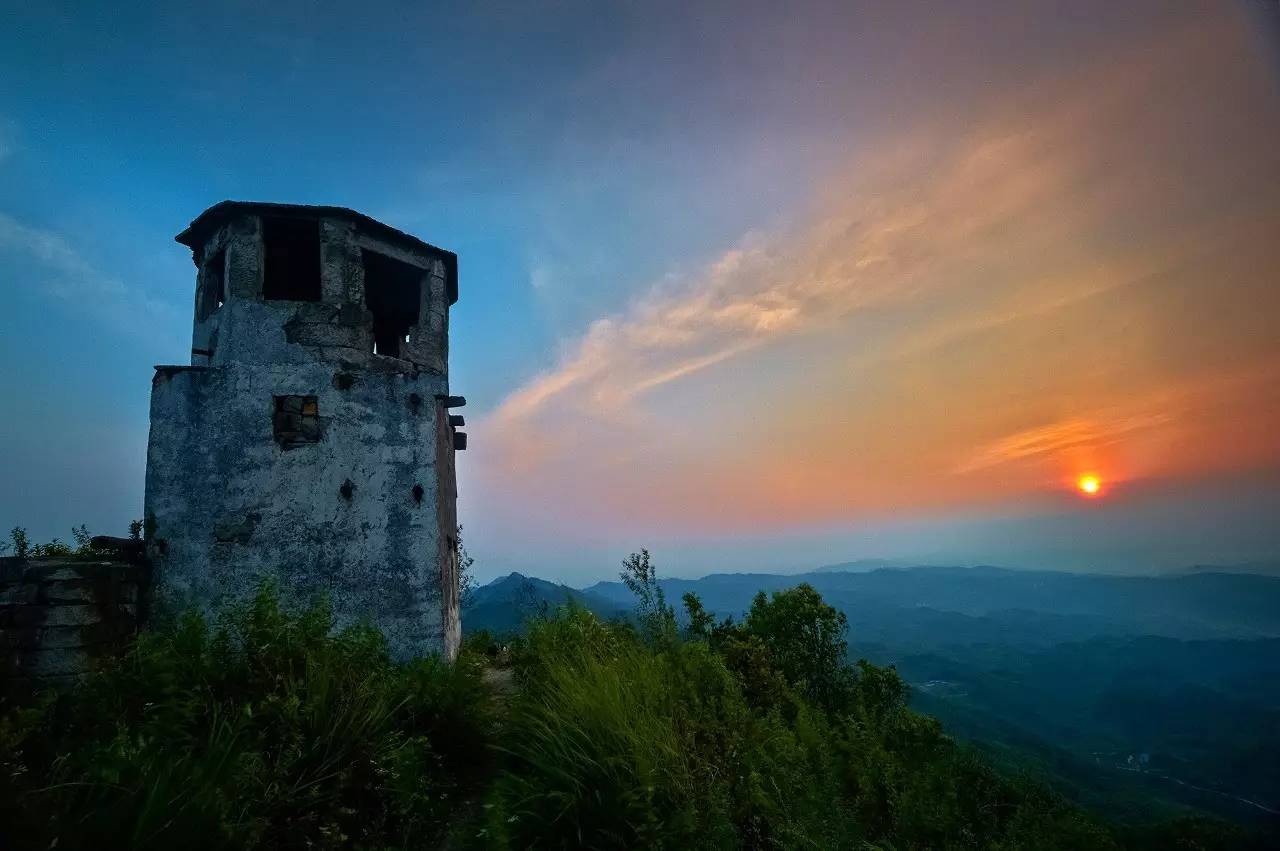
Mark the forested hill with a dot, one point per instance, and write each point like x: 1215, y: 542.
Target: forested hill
x: 1139, y: 697
x: 1202, y: 604
x: 504, y: 603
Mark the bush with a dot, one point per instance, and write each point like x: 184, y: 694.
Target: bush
x: 268, y: 729
x: 741, y: 736
x: 612, y: 744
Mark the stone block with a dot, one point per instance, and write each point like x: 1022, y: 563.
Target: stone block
x: 328, y: 334
x: 81, y: 615
x: 55, y: 662
x: 106, y: 632
x: 72, y: 591
x: 19, y: 594
x: 20, y: 638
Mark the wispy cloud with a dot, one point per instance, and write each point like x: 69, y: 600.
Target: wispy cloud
x: 875, y: 248
x: 922, y: 215
x: 1013, y: 236
x: 59, y: 270
x: 1065, y: 436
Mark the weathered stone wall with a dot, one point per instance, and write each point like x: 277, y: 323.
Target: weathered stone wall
x: 290, y: 449
x: 353, y: 515
x: 58, y: 616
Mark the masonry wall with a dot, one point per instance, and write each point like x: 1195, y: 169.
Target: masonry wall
x: 59, y: 617
x: 353, y: 515
x: 358, y: 502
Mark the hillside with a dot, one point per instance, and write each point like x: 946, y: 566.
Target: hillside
x: 274, y: 730
x: 1141, y: 697
x: 505, y: 603
x: 1202, y: 604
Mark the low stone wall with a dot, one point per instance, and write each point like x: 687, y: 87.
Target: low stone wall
x: 58, y: 616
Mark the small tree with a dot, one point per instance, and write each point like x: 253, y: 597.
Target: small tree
x: 805, y: 637
x: 21, y: 544
x: 466, y: 580
x: 657, y: 619
x: 84, y: 541
x: 700, y: 620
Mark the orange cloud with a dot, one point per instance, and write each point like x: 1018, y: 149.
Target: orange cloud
x: 973, y: 306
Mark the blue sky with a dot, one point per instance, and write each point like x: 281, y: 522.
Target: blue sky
x: 684, y: 232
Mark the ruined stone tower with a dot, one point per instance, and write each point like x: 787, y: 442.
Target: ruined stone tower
x: 310, y: 439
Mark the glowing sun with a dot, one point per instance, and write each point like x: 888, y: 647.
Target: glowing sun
x: 1089, y: 485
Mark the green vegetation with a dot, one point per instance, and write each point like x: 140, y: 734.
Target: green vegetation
x: 266, y: 730
x: 269, y: 729
x: 21, y: 546
x: 1143, y: 699
x: 753, y: 735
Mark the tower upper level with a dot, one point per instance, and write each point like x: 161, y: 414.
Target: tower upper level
x: 275, y: 277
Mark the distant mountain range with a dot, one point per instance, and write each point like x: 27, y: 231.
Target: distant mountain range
x: 1197, y: 604
x: 504, y: 604
x: 862, y: 565
x: 1142, y: 696
x: 965, y: 602
x: 1263, y: 568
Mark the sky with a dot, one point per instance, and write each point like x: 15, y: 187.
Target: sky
x: 757, y: 286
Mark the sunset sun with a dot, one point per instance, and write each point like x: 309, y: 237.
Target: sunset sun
x: 1089, y: 485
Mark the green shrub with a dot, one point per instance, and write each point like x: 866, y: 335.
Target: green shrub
x: 755, y: 735
x: 268, y: 729
x: 613, y: 744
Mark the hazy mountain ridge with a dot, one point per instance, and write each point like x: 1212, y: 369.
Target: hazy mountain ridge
x: 1142, y: 696
x: 1201, y: 604
x: 503, y: 604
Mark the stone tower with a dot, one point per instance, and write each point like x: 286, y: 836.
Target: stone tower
x: 310, y: 439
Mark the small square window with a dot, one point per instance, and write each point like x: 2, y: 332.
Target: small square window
x: 296, y: 421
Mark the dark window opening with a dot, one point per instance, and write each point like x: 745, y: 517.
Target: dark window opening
x: 291, y: 259
x: 213, y: 288
x: 296, y: 420
x: 392, y: 292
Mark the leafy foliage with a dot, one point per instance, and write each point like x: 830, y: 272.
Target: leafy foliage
x: 268, y: 729
x: 657, y: 619
x: 464, y: 561
x: 754, y: 735
x: 23, y: 548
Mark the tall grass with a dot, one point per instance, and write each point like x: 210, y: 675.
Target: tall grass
x: 618, y: 741
x: 268, y: 729
x: 265, y: 729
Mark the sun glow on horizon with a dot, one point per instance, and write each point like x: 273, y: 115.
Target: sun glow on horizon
x: 1089, y: 485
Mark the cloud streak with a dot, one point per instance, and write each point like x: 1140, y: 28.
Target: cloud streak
x: 970, y: 302
x: 66, y: 275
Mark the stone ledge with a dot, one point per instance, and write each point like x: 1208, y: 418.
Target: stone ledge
x: 61, y: 568
x: 55, y: 662
x: 63, y: 637
x: 59, y: 616
x: 74, y: 614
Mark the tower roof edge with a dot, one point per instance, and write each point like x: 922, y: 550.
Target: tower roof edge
x: 211, y: 219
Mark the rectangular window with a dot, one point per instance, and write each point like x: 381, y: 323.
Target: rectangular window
x: 213, y: 284
x: 296, y: 421
x: 291, y: 259
x: 392, y: 292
